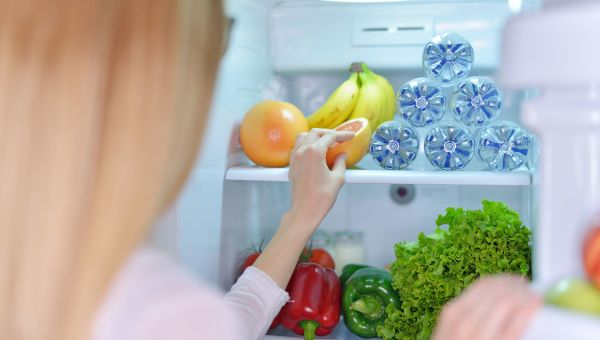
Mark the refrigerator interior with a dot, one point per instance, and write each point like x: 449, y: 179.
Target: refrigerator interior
x: 299, y: 51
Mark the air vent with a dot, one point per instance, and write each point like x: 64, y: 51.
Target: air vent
x: 393, y: 29
x: 387, y: 31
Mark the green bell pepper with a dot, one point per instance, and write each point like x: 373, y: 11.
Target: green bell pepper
x: 366, y: 295
x: 350, y: 269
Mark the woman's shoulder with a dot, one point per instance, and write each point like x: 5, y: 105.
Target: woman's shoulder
x: 151, y: 272
x: 153, y: 297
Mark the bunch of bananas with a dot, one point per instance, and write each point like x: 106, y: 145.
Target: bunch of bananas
x: 364, y: 94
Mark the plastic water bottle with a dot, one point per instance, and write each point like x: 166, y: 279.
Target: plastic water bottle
x: 448, y: 58
x: 476, y: 101
x: 394, y: 145
x: 504, y: 146
x: 421, y: 102
x: 449, y: 147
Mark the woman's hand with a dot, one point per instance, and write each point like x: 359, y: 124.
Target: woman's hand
x: 314, y: 186
x: 314, y: 190
x: 492, y: 308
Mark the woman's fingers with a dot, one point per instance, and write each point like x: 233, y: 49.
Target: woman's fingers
x: 320, y: 132
x: 322, y: 138
x: 339, y: 166
x: 299, y: 139
x: 308, y: 138
x: 501, y: 305
x: 453, y: 313
x: 328, y: 139
x: 516, y: 324
x: 343, y: 136
x: 457, y: 319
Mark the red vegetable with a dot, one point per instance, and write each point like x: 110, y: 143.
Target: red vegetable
x: 252, y: 256
x: 249, y: 261
x: 314, y: 306
x: 276, y: 322
x: 322, y: 257
x: 318, y: 256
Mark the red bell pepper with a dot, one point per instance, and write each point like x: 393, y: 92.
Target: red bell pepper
x: 275, y: 322
x: 314, y: 306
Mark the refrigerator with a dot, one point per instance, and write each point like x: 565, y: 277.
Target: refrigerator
x: 540, y: 55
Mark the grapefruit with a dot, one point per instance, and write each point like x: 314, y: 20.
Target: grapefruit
x: 268, y: 132
x: 355, y: 148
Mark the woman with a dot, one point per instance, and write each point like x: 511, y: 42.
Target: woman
x: 102, y: 108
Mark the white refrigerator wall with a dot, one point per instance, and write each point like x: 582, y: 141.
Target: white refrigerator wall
x: 256, y: 208
x: 299, y: 51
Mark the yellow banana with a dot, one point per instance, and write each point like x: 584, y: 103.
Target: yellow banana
x: 338, y: 106
x: 389, y: 108
x: 384, y: 106
x: 390, y: 97
x: 371, y: 100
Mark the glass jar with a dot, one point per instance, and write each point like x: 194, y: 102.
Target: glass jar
x: 349, y: 247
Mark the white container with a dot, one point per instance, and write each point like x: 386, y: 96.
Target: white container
x: 348, y: 248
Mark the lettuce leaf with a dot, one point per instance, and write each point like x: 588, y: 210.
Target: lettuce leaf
x: 465, y: 245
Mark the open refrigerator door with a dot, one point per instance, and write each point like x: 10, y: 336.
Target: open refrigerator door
x: 566, y: 119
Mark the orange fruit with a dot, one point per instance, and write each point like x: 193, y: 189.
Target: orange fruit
x: 268, y: 132
x: 357, y: 147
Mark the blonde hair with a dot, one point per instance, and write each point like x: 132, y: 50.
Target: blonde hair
x: 102, y: 108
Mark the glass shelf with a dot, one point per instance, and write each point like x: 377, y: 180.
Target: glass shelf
x: 435, y: 177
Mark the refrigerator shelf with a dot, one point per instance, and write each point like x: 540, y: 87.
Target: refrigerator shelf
x: 339, y: 333
x: 435, y: 177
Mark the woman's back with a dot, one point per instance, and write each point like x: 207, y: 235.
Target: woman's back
x: 102, y: 107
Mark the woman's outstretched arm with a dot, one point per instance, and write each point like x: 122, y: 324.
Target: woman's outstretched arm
x: 259, y: 293
x: 314, y: 190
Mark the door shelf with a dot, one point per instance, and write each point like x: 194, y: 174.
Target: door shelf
x: 436, y: 177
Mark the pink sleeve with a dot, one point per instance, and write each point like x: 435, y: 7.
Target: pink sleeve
x: 152, y: 298
x: 255, y: 300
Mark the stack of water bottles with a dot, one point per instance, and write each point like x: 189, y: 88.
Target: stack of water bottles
x: 475, y: 103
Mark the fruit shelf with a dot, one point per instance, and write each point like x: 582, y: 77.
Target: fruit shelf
x: 416, y: 176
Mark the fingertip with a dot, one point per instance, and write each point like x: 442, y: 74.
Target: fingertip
x: 340, y: 162
x: 536, y: 299
x: 342, y: 136
x: 299, y: 138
